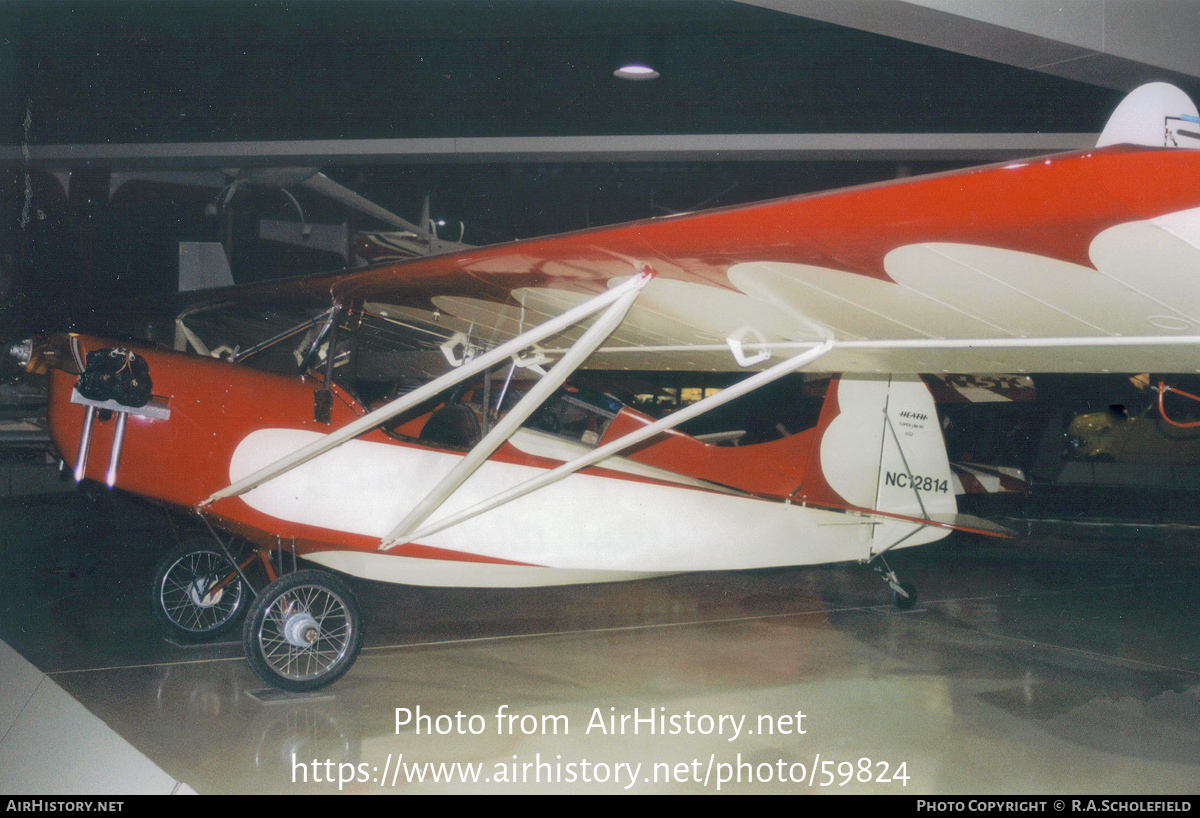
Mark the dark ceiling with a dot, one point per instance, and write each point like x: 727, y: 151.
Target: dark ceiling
x: 195, y: 71
x: 166, y: 72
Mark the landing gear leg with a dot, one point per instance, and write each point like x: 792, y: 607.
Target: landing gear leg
x: 904, y: 594
x: 303, y: 630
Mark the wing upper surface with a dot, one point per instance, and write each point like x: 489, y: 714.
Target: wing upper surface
x: 1099, y: 246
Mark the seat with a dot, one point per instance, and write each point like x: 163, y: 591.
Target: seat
x: 455, y: 425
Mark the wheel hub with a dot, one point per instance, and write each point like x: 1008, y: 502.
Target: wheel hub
x: 200, y: 595
x: 301, y: 630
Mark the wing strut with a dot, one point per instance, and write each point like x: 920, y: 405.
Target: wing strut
x: 506, y: 426
x: 402, y: 404
x: 620, y: 444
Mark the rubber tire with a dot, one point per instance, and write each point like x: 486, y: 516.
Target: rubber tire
x: 201, y: 548
x: 905, y: 603
x: 260, y: 624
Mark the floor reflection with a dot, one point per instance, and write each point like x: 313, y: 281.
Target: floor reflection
x: 1048, y: 665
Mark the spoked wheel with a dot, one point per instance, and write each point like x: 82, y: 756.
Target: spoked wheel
x: 304, y: 631
x: 197, y: 593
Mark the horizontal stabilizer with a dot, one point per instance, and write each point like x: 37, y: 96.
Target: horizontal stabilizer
x: 939, y: 520
x: 974, y: 525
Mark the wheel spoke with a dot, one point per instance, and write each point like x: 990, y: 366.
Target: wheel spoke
x: 186, y: 597
x: 330, y: 616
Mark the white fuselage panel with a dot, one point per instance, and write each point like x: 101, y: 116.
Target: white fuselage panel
x: 584, y: 522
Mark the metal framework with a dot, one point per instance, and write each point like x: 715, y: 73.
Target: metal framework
x: 476, y: 365
x: 153, y: 410
x: 509, y: 424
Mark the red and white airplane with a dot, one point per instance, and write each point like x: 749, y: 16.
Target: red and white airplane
x: 493, y: 470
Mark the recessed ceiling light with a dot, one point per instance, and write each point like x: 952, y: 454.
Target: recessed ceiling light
x: 636, y: 72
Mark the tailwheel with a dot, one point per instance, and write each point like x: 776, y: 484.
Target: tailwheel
x: 905, y: 596
x: 304, y: 631
x: 197, y: 593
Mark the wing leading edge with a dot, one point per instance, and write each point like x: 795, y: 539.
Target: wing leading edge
x: 1079, y: 262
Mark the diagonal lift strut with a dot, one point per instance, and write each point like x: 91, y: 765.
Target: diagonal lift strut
x: 620, y: 444
x: 402, y: 404
x: 507, y: 425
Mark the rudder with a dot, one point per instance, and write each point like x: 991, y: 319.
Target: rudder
x: 881, y: 449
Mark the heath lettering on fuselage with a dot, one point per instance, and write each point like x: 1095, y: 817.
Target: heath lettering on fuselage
x: 905, y: 480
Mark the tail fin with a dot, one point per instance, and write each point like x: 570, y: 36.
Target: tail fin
x: 881, y: 450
